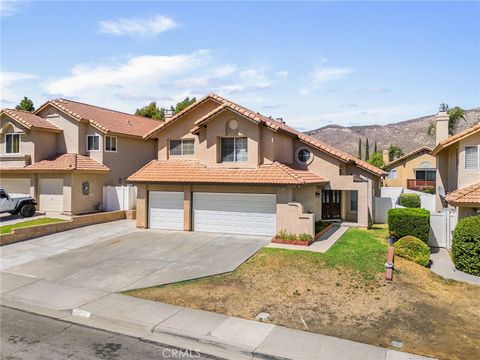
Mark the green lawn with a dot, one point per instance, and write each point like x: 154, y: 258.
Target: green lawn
x: 8, y: 228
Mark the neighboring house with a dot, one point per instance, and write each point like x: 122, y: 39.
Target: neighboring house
x: 415, y: 170
x: 458, y: 168
x: 65, y: 152
x: 224, y: 168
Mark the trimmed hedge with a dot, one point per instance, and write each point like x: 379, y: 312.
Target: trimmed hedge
x: 409, y: 222
x: 410, y: 200
x: 466, y: 245
x: 414, y: 249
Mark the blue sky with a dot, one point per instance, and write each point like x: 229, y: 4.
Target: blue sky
x: 312, y: 63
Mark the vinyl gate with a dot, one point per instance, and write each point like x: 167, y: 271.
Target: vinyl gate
x: 119, y: 198
x: 442, y: 225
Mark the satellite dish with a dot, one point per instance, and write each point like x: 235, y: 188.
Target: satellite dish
x: 441, y: 191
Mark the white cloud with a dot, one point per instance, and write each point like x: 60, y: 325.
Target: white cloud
x: 9, y: 8
x: 282, y: 74
x: 12, y: 86
x: 330, y: 73
x: 142, y: 27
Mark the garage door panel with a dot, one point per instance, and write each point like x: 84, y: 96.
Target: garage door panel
x: 16, y: 186
x: 50, y: 194
x: 166, y: 210
x: 253, y: 214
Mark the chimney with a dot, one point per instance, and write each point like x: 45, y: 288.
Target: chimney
x: 169, y: 114
x: 441, y: 124
x: 386, y: 159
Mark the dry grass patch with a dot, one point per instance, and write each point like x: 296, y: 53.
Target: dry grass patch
x: 343, y: 293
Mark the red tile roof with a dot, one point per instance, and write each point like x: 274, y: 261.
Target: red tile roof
x: 30, y: 120
x: 64, y: 162
x: 271, y: 123
x: 468, y: 195
x: 406, y: 156
x: 184, y: 171
x: 106, y: 120
x: 455, y: 138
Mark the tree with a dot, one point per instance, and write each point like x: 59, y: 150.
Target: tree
x: 455, y: 114
x: 26, y: 104
x: 183, y: 104
x: 152, y: 111
x: 375, y: 147
x: 394, y: 152
x: 376, y: 159
x: 360, y: 149
x: 367, y: 151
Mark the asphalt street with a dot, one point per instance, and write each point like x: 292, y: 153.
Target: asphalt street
x: 28, y: 336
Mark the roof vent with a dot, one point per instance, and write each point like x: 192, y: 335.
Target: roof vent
x: 129, y: 123
x: 280, y: 120
x: 169, y: 114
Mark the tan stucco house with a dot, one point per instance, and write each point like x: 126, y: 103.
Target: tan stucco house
x: 458, y: 168
x: 223, y: 168
x: 414, y: 171
x: 66, y: 151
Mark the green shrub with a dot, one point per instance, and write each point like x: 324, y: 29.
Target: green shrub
x: 305, y: 237
x: 412, y: 248
x: 410, y: 200
x: 428, y: 190
x: 320, y: 225
x: 409, y: 222
x: 466, y: 245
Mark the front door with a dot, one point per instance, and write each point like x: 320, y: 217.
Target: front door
x: 331, y: 204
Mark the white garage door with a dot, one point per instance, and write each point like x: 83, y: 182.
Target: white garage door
x: 50, y: 194
x: 253, y: 214
x: 165, y: 210
x: 16, y: 186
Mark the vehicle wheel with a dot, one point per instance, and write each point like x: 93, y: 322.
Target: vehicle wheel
x: 28, y: 210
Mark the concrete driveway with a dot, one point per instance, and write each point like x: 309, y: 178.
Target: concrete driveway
x: 116, y: 256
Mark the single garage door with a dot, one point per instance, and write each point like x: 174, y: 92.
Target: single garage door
x: 16, y: 186
x: 253, y: 214
x: 50, y: 194
x: 165, y: 210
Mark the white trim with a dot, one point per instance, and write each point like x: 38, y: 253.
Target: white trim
x: 19, y: 145
x: 310, y: 159
x: 105, y: 143
x: 465, y: 157
x: 99, y: 145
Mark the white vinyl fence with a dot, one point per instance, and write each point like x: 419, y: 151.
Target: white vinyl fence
x: 442, y: 225
x: 119, y: 198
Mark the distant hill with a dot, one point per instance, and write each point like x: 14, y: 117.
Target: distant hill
x: 409, y: 134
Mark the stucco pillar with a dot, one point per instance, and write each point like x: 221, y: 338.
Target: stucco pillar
x: 441, y: 127
x: 142, y: 206
x: 187, y: 208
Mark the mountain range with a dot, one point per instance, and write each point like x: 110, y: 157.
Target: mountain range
x: 408, y: 135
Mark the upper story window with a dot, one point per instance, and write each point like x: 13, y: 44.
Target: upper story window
x: 12, y: 143
x: 182, y: 147
x: 392, y: 174
x: 234, y: 149
x: 93, y: 142
x: 472, y: 157
x: 303, y: 156
x: 111, y: 143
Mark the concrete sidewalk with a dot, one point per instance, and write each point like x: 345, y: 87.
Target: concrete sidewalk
x: 210, y: 333
x: 442, y: 265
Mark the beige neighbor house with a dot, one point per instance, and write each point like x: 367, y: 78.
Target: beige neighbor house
x: 224, y: 168
x: 414, y: 171
x: 65, y: 152
x: 458, y: 168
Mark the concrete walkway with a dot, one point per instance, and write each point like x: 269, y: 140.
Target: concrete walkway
x: 322, y: 245
x: 442, y: 265
x: 215, y: 334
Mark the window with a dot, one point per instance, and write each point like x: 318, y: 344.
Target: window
x: 182, y: 147
x: 93, y: 142
x: 353, y: 200
x: 471, y: 158
x: 392, y: 174
x: 425, y: 175
x: 12, y: 143
x: 234, y: 149
x: 111, y: 143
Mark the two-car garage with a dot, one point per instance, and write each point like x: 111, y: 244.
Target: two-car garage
x: 234, y: 213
